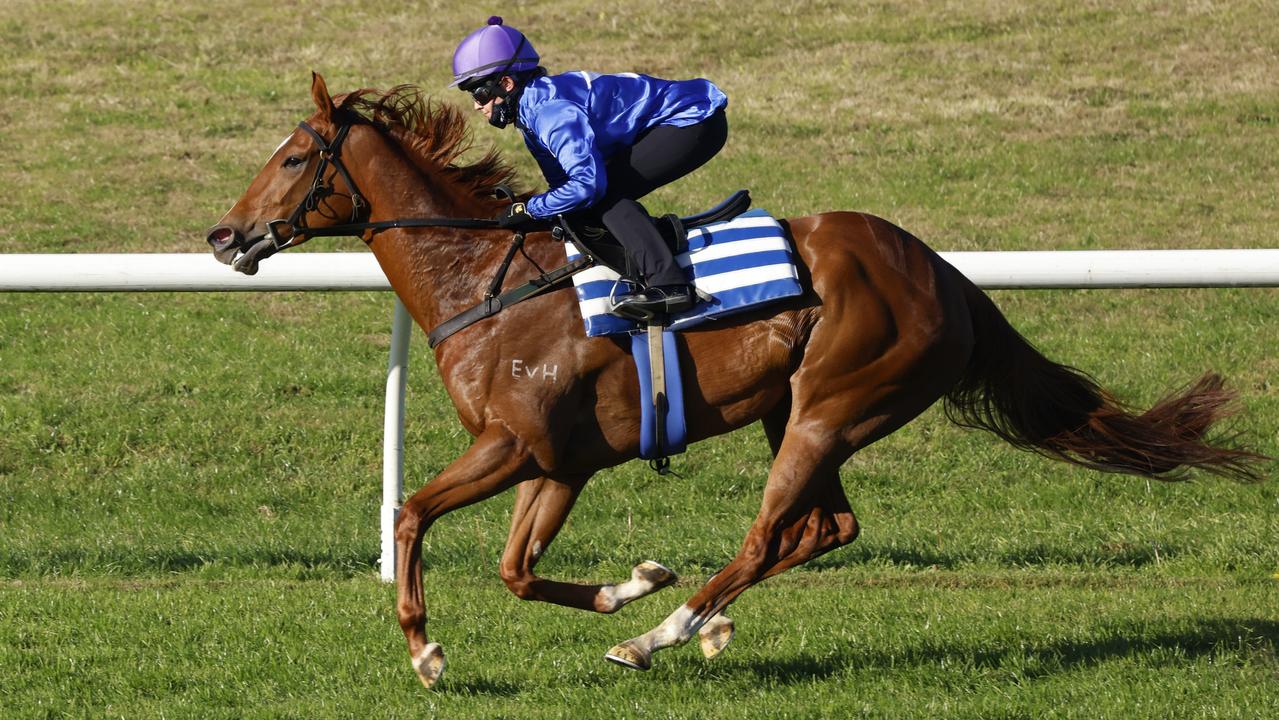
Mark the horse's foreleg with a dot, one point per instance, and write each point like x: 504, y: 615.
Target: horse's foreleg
x: 496, y: 461
x: 541, y: 506
x: 805, y: 514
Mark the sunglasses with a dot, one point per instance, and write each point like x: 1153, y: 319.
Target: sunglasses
x: 484, y: 92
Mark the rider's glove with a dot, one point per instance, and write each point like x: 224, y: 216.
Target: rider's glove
x: 517, y: 218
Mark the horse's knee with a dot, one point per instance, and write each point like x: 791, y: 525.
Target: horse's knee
x: 408, y: 526
x: 848, y: 529
x: 519, y: 581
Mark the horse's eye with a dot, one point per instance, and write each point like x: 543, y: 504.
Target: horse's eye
x: 293, y: 161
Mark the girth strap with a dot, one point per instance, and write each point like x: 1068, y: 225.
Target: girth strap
x: 657, y: 376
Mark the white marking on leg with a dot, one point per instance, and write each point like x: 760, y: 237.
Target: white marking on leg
x: 606, y: 599
x: 429, y: 664
x: 674, y: 630
x: 637, y: 653
x: 537, y: 549
x: 611, y: 597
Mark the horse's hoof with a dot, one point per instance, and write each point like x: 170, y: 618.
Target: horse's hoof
x: 629, y: 656
x: 654, y: 573
x: 429, y: 664
x: 715, y: 635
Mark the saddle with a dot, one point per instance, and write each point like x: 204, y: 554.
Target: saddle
x: 600, y: 250
x: 599, y: 245
x: 662, y: 427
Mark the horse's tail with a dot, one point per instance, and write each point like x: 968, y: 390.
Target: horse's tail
x: 1012, y: 390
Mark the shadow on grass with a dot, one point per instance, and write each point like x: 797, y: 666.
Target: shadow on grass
x: 480, y: 687
x: 330, y: 561
x: 1246, y: 638
x: 1130, y: 556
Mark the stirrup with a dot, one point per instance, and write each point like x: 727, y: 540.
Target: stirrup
x: 639, y: 313
x: 641, y: 303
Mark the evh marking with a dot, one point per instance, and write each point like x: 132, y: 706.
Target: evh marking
x: 522, y: 370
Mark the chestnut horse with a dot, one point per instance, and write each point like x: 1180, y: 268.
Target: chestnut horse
x: 885, y: 329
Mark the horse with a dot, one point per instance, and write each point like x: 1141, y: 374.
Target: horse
x: 883, y: 330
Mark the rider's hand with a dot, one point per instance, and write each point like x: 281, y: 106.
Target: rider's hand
x: 516, y: 217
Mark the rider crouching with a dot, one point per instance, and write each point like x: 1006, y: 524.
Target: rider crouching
x: 602, y: 142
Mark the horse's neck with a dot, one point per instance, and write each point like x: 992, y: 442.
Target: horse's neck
x: 437, y: 272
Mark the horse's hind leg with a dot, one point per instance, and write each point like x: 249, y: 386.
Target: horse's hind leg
x: 715, y: 635
x: 804, y: 514
x: 541, y: 505
x: 804, y: 511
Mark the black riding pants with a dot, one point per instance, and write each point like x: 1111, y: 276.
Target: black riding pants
x: 660, y: 155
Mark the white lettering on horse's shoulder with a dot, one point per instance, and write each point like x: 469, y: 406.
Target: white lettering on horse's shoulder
x: 521, y: 369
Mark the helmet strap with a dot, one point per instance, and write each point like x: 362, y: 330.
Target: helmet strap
x: 505, y: 113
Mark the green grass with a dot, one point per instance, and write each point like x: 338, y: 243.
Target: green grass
x: 189, y: 482
x: 1028, y: 643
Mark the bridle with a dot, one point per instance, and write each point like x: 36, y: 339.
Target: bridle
x: 494, y: 299
x: 331, y: 154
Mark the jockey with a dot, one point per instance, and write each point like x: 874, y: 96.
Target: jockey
x: 602, y: 141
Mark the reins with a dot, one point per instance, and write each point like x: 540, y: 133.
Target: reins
x: 493, y: 302
x: 357, y: 229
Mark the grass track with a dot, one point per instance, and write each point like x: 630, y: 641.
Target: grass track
x: 848, y: 644
x: 188, y: 483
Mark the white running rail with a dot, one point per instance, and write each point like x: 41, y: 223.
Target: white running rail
x: 189, y: 272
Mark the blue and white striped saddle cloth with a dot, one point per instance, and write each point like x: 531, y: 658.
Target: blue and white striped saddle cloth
x: 740, y: 263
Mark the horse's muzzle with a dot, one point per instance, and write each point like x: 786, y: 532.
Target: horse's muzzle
x: 226, y: 241
x: 231, y: 247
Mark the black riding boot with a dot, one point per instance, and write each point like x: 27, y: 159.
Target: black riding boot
x: 666, y: 288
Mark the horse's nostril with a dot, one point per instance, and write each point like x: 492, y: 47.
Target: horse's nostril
x: 221, y: 237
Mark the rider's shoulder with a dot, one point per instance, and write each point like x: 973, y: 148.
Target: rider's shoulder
x: 550, y: 91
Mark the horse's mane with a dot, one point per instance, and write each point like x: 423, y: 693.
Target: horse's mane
x: 433, y: 136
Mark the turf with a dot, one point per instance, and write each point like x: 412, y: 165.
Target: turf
x: 189, y: 482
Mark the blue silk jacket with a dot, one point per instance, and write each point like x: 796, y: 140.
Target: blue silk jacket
x: 573, y: 123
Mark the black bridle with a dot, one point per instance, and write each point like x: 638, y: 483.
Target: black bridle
x: 331, y: 153
x: 320, y: 189
x: 494, y: 299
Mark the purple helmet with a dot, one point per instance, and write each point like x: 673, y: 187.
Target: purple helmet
x: 494, y: 48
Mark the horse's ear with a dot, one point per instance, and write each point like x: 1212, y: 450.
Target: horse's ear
x: 320, y: 94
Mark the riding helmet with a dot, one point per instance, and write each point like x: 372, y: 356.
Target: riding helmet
x: 494, y: 48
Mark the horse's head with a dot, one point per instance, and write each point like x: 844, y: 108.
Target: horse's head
x: 304, y: 186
